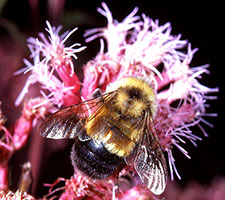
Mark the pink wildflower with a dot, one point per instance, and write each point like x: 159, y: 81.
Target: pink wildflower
x: 50, y: 56
x: 18, y: 195
x: 137, y: 47
x: 79, y: 187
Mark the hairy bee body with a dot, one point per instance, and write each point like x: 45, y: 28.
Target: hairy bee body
x: 118, y: 132
x: 122, y: 118
x: 94, y: 160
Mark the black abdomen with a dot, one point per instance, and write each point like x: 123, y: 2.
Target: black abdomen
x: 94, y: 160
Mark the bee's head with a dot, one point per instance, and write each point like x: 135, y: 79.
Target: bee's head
x: 134, y: 96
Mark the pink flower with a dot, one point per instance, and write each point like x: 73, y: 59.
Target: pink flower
x: 139, y: 46
x: 98, y: 74
x: 79, y: 187
x: 51, y: 59
x: 18, y: 195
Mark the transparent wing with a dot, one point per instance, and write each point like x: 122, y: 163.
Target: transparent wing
x: 68, y: 123
x: 150, y: 164
x: 148, y: 159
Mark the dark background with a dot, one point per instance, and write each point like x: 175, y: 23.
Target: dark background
x: 202, y: 23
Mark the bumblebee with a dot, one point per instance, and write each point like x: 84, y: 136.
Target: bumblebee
x: 113, y: 130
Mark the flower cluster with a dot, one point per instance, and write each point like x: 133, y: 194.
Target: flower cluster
x: 79, y: 186
x: 139, y: 47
